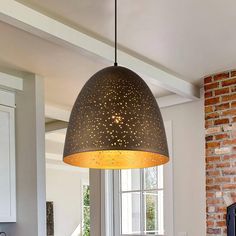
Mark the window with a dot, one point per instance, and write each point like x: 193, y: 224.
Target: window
x: 141, y: 201
x: 86, y: 211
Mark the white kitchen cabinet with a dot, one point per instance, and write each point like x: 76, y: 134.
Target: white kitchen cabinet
x: 7, y: 161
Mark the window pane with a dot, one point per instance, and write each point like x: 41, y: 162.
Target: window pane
x: 131, y: 213
x: 150, y: 178
x: 154, y: 212
x: 86, y: 211
x: 153, y: 178
x: 130, y: 180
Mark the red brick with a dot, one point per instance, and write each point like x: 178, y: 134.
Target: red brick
x: 228, y: 97
x: 229, y: 113
x: 214, y: 201
x: 229, y: 157
x: 211, y: 86
x: 212, y: 159
x: 209, y: 138
x: 213, y: 188
x: 209, y: 166
x: 228, y: 82
x: 212, y: 115
x: 233, y: 73
x: 233, y: 104
x: 221, y: 209
x: 208, y: 123
x: 222, y: 180
x: 229, y: 142
x: 221, y: 76
x: 210, y: 195
x: 210, y: 223
x: 221, y: 91
x: 213, y: 173
x: 209, y: 109
x: 222, y: 106
x: 229, y: 187
x: 209, y: 181
x: 229, y: 172
x: 208, y: 80
x: 223, y: 165
x: 212, y: 101
x: 221, y: 223
x: 220, y: 112
x: 208, y: 94
x: 233, y: 89
x: 221, y: 136
x: 212, y: 144
x: 221, y: 121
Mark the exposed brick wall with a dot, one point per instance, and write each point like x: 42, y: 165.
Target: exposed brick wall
x: 220, y: 124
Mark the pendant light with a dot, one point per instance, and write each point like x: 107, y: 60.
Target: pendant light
x: 115, y: 122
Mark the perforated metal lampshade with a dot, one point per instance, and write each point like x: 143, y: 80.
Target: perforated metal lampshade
x: 116, y: 124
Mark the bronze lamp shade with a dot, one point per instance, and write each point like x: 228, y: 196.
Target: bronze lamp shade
x: 116, y: 124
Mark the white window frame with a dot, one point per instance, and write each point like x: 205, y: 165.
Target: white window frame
x: 142, y: 190
x: 110, y: 194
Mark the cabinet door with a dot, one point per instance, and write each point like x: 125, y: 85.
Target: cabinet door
x: 7, y: 165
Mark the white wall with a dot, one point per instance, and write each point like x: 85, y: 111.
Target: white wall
x: 189, y: 167
x: 64, y: 189
x: 30, y: 161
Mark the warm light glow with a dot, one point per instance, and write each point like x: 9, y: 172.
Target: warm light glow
x: 116, y: 159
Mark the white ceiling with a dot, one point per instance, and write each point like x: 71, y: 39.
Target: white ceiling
x: 192, y: 38
x: 65, y: 69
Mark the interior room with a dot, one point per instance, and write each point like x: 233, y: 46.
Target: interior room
x: 117, y: 118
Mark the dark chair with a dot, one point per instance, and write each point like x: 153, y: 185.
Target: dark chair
x: 231, y: 220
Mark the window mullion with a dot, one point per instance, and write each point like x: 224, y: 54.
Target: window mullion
x: 142, y: 207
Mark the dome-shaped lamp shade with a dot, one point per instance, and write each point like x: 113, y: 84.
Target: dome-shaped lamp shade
x: 115, y: 124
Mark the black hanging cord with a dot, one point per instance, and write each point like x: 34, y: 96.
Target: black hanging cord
x: 115, y: 64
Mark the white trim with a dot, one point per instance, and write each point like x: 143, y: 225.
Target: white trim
x: 23, y: 17
x: 10, y: 81
x: 107, y: 203
x: 7, y: 98
x: 168, y: 181
x: 12, y: 165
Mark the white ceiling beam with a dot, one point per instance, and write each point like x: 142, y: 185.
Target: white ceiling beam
x: 56, y: 137
x: 57, y: 112
x: 172, y: 100
x: 55, y: 125
x: 66, y: 168
x: 30, y: 20
x: 54, y: 156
